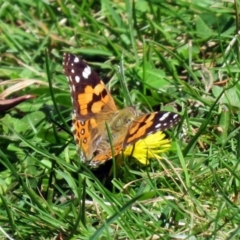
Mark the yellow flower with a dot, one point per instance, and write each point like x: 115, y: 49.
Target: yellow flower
x: 149, y: 147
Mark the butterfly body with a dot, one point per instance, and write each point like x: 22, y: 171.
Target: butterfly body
x: 98, y: 125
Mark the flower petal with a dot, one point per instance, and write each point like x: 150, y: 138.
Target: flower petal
x: 149, y: 147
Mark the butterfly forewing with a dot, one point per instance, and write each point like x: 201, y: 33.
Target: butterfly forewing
x: 88, y: 92
x: 150, y: 123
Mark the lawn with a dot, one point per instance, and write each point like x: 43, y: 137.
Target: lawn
x: 179, y: 56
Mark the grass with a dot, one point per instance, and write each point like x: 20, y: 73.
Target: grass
x: 185, y: 53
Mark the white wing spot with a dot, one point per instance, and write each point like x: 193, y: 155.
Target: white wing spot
x: 84, y: 140
x: 175, y: 116
x: 76, y: 60
x: 164, y: 116
x: 77, y: 79
x: 72, y: 70
x: 86, y: 72
x: 158, y: 125
x: 82, y: 131
x: 82, y: 123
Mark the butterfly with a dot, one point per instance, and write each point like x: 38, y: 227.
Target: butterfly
x: 98, y: 125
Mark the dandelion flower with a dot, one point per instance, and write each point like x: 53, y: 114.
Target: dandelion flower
x: 149, y: 147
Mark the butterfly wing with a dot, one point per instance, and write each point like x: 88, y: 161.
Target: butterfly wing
x: 148, y: 124
x: 139, y: 128
x: 92, y: 104
x: 90, y: 97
